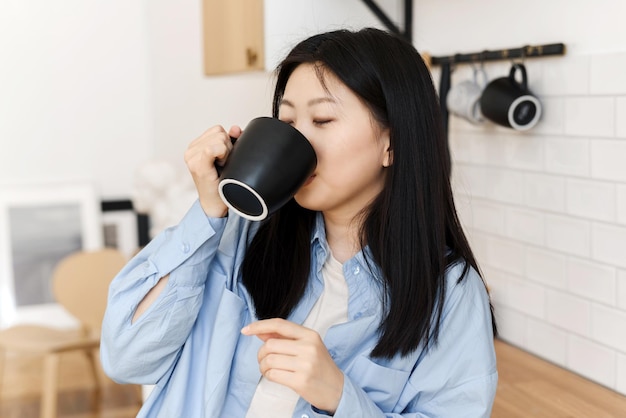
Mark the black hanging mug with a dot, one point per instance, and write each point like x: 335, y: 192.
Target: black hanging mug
x: 509, y: 103
x: 269, y: 162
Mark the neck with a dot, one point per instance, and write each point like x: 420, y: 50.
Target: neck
x: 342, y: 235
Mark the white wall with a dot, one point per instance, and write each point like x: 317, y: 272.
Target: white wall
x: 74, y: 96
x: 546, y: 209
x: 91, y: 89
x: 186, y: 102
x: 451, y: 26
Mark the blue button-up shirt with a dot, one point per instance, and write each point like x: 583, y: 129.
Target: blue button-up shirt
x: 188, y: 343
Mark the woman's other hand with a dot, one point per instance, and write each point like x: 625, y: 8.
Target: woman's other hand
x: 203, y: 153
x: 296, y: 357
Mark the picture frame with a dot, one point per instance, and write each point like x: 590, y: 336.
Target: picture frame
x: 39, y: 225
x: 121, y: 227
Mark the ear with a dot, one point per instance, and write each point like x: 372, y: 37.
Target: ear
x: 388, y: 155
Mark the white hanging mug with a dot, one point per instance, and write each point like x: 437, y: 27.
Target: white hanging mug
x: 463, y: 99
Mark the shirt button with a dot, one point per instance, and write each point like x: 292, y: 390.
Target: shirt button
x: 357, y: 270
x: 304, y: 416
x: 185, y: 247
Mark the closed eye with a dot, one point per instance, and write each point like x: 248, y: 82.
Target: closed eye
x: 322, y: 121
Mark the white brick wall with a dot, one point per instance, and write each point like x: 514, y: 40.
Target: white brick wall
x: 609, y: 244
x: 590, y: 116
x: 525, y: 225
x: 607, y: 74
x: 572, y: 313
x: 607, y: 160
x: 591, y: 199
x: 592, y: 280
x: 620, y: 116
x: 621, y: 289
x: 569, y: 235
x: 621, y: 202
x: 621, y: 373
x: 569, y: 156
x: 547, y: 341
x: 546, y: 267
x: 592, y: 360
x: 608, y: 326
x: 545, y: 211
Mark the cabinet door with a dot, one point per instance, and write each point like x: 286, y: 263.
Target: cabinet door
x: 233, y: 36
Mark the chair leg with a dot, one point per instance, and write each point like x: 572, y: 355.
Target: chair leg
x: 95, y: 371
x: 50, y: 386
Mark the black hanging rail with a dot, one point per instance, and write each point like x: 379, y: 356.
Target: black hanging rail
x: 528, y: 51
x: 392, y: 27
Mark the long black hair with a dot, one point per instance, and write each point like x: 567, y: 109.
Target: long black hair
x: 411, y: 228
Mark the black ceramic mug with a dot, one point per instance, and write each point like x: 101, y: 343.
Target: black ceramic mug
x: 510, y: 103
x: 269, y: 162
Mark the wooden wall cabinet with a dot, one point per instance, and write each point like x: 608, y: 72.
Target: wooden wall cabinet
x: 233, y: 36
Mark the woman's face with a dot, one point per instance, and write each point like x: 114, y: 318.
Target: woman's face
x: 352, y: 150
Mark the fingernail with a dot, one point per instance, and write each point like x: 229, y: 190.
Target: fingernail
x: 245, y: 329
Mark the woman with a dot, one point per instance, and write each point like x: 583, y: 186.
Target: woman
x: 359, y: 298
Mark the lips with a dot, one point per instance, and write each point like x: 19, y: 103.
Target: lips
x: 309, y: 180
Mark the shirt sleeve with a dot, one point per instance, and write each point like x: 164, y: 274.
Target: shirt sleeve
x: 457, y: 377
x: 144, y: 351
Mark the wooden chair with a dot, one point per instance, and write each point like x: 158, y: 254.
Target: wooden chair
x: 80, y: 285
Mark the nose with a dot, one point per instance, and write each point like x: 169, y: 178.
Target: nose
x: 303, y: 129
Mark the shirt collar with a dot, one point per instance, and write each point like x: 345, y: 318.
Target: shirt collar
x: 363, y: 258
x: 319, y: 231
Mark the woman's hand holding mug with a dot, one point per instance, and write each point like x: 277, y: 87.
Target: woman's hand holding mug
x: 203, y: 154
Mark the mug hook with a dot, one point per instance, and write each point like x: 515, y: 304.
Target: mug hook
x: 481, y: 69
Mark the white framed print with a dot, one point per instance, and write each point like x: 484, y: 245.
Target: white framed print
x: 120, y: 229
x: 40, y: 225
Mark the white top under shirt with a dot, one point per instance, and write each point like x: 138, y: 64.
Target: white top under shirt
x: 275, y: 400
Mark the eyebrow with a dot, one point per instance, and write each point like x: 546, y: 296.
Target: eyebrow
x: 311, y: 102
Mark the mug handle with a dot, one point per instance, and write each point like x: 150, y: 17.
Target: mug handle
x: 483, y: 74
x: 522, y: 68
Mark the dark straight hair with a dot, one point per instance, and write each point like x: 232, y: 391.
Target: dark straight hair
x: 411, y: 228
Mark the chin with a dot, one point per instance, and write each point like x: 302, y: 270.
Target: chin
x: 307, y: 201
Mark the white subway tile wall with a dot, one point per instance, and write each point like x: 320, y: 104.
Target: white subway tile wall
x: 609, y: 244
x: 568, y: 235
x: 621, y: 290
x: 621, y: 373
x: 545, y: 212
x: 572, y: 313
x: 607, y: 159
x: 608, y: 326
x: 569, y: 156
x: 590, y: 116
x: 592, y: 280
x: 595, y: 361
x: 548, y: 341
x: 591, y: 199
x: 621, y: 203
x: 607, y: 74
x: 526, y: 225
x: 620, y: 116
x: 546, y: 267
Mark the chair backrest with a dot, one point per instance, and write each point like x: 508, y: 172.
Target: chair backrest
x: 81, y: 283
